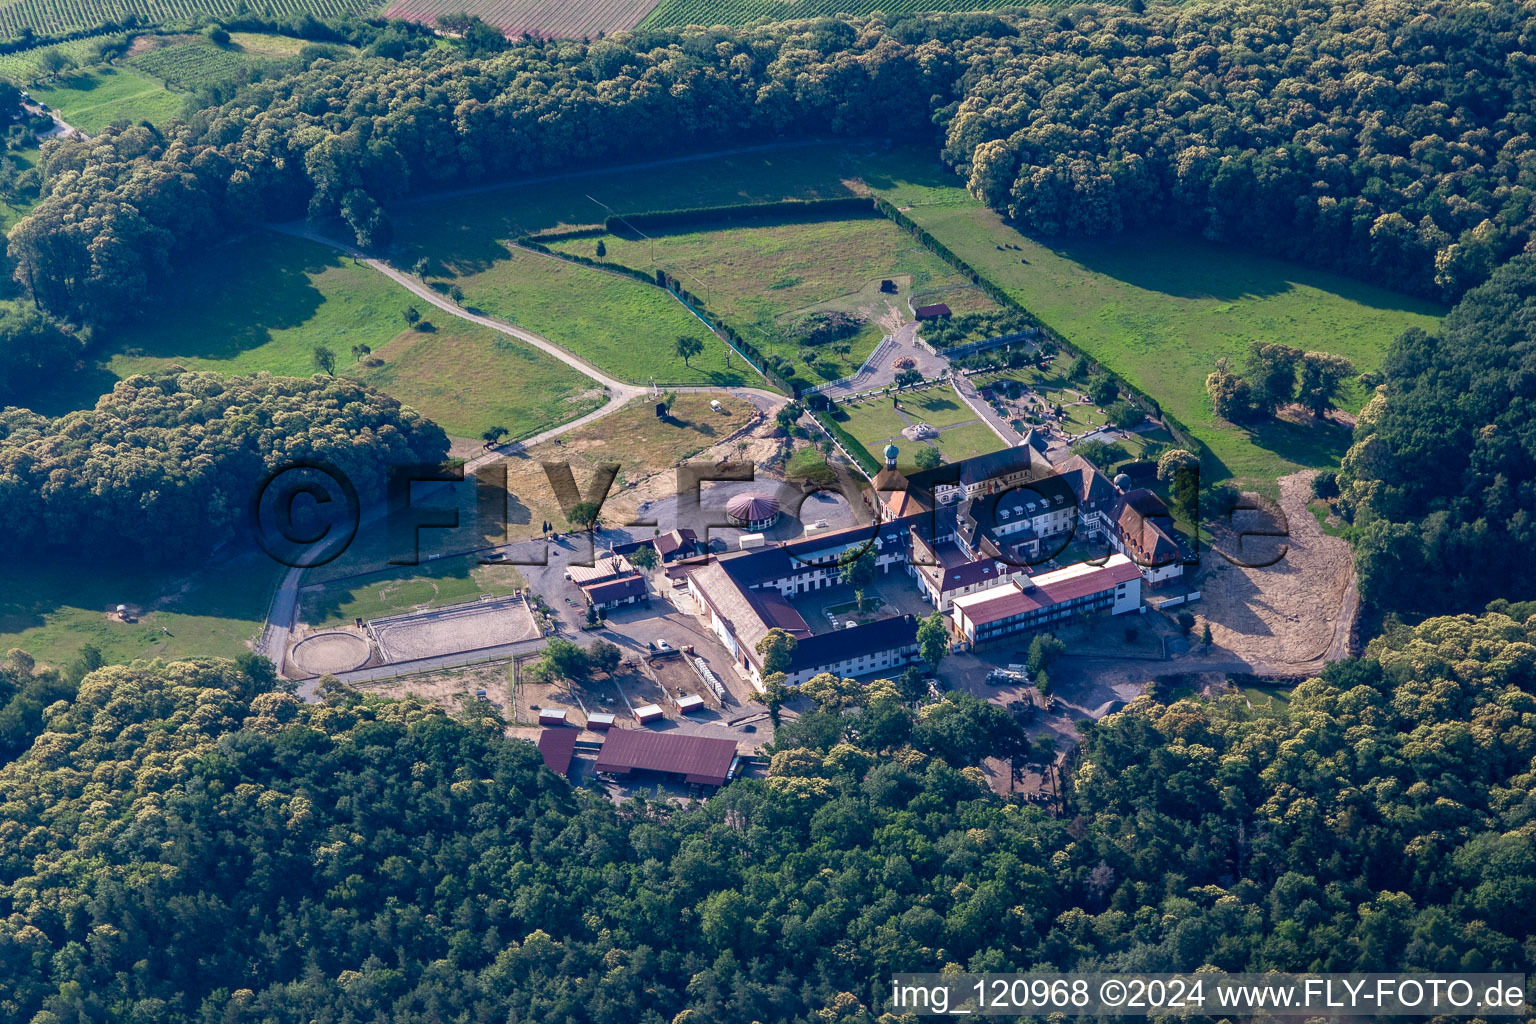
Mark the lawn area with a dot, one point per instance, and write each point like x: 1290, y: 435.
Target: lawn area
x: 876, y: 423
x: 265, y: 302
x: 93, y: 99
x: 463, y: 233
x: 973, y: 439
x: 627, y: 328
x: 1159, y: 309
x: 759, y: 278
x: 266, y: 44
x: 446, y: 581
x: 52, y: 606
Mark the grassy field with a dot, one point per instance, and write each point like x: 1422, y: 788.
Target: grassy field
x: 463, y: 233
x: 877, y: 422
x: 266, y: 301
x: 966, y: 441
x: 627, y: 328
x: 51, y: 607
x: 759, y: 278
x: 446, y: 581
x: 1160, y: 309
x: 94, y: 98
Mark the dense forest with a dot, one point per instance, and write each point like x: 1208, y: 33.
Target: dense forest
x: 1441, y: 479
x: 1391, y: 142
x: 166, y: 463
x: 181, y: 845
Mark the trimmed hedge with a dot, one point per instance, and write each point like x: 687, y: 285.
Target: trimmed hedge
x: 789, y: 211
x: 852, y: 445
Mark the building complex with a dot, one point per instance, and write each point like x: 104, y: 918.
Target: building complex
x: 979, y: 540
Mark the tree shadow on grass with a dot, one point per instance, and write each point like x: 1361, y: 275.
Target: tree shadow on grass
x: 1312, y: 445
x: 232, y: 299
x: 1189, y: 267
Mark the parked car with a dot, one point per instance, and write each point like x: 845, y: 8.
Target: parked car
x: 662, y: 645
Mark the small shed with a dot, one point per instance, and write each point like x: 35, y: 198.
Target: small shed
x: 933, y: 312
x: 752, y: 540
x: 887, y: 286
x: 649, y: 713
x: 552, y: 716
x: 600, y: 721
x: 689, y: 704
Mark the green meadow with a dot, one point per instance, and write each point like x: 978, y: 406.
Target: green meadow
x: 266, y: 301
x: 1160, y: 309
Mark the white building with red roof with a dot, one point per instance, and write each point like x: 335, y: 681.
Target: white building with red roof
x: 1049, y: 599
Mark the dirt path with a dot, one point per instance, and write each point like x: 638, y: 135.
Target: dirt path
x: 620, y: 392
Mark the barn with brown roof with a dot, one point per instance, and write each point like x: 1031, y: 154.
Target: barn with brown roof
x: 700, y: 760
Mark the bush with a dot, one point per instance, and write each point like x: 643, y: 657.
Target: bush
x: 1326, y: 485
x: 824, y: 327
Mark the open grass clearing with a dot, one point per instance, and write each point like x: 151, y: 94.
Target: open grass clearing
x: 877, y: 422
x: 966, y: 441
x: 463, y: 233
x: 436, y: 584
x: 1159, y: 309
x: 271, y: 46
x: 52, y: 605
x: 94, y: 98
x: 266, y: 301
x: 626, y: 327
x: 759, y: 278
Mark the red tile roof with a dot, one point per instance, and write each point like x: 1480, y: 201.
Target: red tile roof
x: 700, y: 759
x: 1013, y: 599
x: 557, y: 746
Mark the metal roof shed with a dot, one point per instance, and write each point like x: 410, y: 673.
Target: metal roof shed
x: 552, y: 716
x: 689, y: 704
x: 600, y: 721
x: 649, y: 713
x: 702, y: 760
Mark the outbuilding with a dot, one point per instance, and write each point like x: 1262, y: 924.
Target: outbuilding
x: 553, y: 716
x: 600, y: 721
x: 649, y: 713
x: 689, y: 704
x: 700, y: 760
